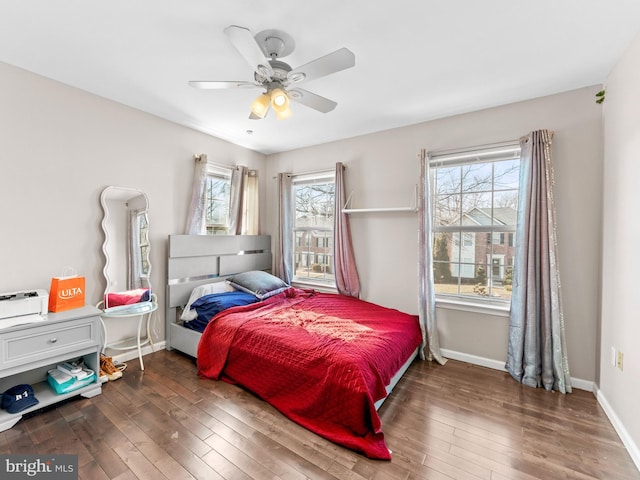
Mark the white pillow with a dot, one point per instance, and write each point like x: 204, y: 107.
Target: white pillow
x: 200, y: 291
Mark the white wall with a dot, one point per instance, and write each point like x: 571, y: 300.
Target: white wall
x: 382, y: 171
x: 619, y: 390
x: 59, y: 148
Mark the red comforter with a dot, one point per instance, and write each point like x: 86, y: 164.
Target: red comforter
x: 322, y: 360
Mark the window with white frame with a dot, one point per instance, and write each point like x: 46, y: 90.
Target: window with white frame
x: 474, y: 197
x: 314, y: 199
x: 218, y: 197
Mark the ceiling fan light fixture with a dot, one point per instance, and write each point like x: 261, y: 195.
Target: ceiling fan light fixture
x: 279, y: 100
x: 284, y: 114
x: 260, y: 105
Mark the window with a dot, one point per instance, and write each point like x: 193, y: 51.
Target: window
x: 218, y: 198
x: 314, y: 198
x: 475, y: 197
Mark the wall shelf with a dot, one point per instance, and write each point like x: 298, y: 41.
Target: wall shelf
x: 411, y: 209
x: 380, y: 210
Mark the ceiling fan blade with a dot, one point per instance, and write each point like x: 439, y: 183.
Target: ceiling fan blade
x: 243, y: 40
x: 330, y: 63
x: 311, y: 100
x: 211, y: 85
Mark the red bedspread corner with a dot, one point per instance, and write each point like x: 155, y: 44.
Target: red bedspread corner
x: 344, y: 350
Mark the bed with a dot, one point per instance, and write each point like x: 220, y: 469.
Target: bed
x: 326, y: 361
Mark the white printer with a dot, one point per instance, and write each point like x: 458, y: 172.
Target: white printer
x: 18, y: 308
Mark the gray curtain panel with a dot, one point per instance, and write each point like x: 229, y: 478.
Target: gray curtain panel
x: 236, y: 205
x: 426, y: 290
x: 196, y: 222
x: 251, y: 204
x: 537, y: 352
x: 284, y: 251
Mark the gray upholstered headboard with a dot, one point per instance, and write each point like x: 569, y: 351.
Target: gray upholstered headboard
x: 198, y: 259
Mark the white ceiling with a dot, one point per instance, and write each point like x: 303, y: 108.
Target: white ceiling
x: 415, y: 60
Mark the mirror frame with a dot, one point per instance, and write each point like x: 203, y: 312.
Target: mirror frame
x: 125, y: 194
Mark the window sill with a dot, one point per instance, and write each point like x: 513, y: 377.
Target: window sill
x: 320, y: 287
x: 487, y: 309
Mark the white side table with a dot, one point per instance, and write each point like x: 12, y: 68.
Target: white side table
x: 28, y: 351
x: 143, y: 311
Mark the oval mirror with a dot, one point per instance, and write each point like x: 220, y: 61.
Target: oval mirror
x: 126, y: 247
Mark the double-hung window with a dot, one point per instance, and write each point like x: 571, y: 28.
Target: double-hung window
x: 218, y: 197
x: 314, y: 200
x: 474, y: 198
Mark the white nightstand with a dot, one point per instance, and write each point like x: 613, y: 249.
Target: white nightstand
x: 143, y: 311
x: 28, y: 351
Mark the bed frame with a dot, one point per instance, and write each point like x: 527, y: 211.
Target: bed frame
x: 198, y: 259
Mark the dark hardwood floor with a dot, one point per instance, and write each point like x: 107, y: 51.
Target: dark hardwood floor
x: 454, y: 422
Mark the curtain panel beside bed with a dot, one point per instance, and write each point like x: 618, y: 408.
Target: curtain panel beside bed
x: 196, y: 223
x: 344, y: 260
x: 537, y: 351
x: 426, y: 290
x: 284, y: 251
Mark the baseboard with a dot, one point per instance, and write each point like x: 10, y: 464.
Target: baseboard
x: 582, y: 384
x: 499, y: 365
x: 473, y: 359
x: 628, y: 442
x: 133, y: 353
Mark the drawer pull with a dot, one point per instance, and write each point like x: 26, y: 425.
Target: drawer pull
x: 53, y: 340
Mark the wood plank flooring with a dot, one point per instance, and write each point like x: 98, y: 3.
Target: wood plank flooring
x: 454, y: 422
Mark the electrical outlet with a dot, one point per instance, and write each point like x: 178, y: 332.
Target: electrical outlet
x: 614, y: 356
x: 620, y: 360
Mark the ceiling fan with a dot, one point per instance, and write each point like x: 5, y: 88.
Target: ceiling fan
x: 263, y: 52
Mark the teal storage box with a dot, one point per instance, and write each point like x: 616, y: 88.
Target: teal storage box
x: 63, y: 383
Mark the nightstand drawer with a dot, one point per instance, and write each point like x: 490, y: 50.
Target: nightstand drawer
x: 33, y: 344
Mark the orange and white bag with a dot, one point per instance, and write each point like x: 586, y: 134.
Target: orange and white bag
x: 67, y: 291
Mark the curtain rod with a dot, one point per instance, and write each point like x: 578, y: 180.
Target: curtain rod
x: 314, y: 172
x: 486, y: 146
x: 203, y: 156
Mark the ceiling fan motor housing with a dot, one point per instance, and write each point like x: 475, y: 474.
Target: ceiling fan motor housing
x: 280, y: 71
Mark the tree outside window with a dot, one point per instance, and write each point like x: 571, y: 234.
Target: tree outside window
x: 475, y: 202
